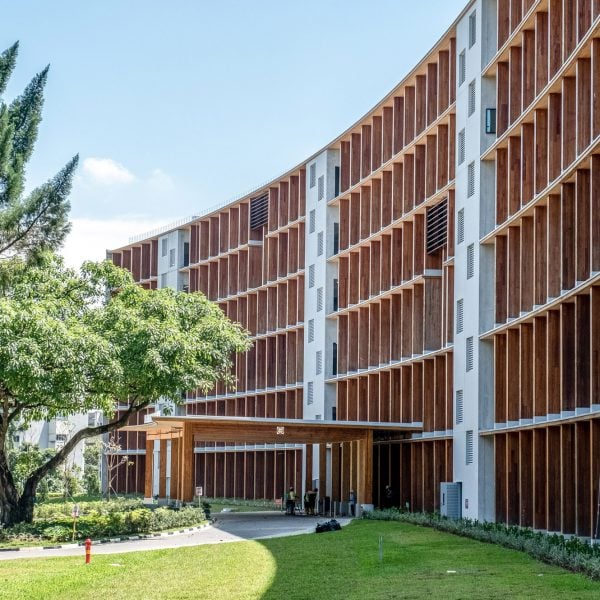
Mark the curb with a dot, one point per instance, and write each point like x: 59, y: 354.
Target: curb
x: 116, y: 540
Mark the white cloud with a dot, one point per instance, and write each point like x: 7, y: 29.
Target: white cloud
x: 107, y: 171
x: 160, y: 181
x: 90, y: 238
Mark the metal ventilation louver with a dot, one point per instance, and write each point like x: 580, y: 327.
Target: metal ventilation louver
x: 259, y: 211
x: 459, y: 407
x: 460, y: 226
x: 459, y: 315
x: 469, y: 447
x: 469, y: 354
x: 470, y: 260
x: 437, y: 226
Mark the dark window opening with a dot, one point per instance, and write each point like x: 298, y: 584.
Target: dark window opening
x: 334, y: 358
x: 186, y: 254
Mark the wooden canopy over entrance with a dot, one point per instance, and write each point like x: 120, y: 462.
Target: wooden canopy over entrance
x: 183, y: 431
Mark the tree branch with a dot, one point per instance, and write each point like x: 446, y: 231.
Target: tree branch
x: 35, y: 477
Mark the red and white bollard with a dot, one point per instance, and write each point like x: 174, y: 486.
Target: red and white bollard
x: 88, y: 551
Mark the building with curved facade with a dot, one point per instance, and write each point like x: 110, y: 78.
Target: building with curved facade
x: 436, y: 265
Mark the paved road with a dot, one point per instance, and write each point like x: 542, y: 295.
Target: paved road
x: 228, y: 527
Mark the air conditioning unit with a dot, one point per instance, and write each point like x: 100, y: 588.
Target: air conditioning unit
x: 450, y: 499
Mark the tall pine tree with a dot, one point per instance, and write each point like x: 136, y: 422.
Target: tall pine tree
x: 33, y: 223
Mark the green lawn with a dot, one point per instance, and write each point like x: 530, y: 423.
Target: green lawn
x: 417, y: 563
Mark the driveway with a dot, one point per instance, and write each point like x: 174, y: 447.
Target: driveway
x: 227, y: 527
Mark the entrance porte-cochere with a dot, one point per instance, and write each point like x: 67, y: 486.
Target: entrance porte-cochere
x: 170, y: 443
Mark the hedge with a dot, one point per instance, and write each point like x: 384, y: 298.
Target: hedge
x: 571, y: 553
x: 95, y: 525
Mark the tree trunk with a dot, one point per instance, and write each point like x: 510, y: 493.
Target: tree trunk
x: 11, y: 510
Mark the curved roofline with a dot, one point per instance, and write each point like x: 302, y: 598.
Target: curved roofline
x: 254, y: 191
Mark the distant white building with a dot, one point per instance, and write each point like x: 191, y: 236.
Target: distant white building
x: 55, y: 433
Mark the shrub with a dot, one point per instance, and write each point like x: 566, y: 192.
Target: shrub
x: 570, y: 553
x: 103, y: 522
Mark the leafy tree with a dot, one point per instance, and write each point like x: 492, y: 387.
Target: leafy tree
x: 23, y: 460
x: 91, y: 467
x: 29, y: 224
x: 65, y: 349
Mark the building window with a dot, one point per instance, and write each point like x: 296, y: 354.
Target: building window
x: 472, y: 97
x: 311, y: 330
x: 163, y: 280
x: 469, y: 447
x: 470, y: 260
x: 321, y: 190
x: 470, y: 179
x: 462, y: 67
x: 460, y: 226
x: 309, y: 392
x: 320, y: 299
x: 313, y: 175
x: 459, y: 315
x: 311, y: 276
x: 164, y: 247
x: 469, y: 354
x: 312, y: 218
x: 320, y: 244
x: 319, y: 362
x: 461, y: 146
x: 172, y: 257
x: 472, y: 29
x: 459, y: 407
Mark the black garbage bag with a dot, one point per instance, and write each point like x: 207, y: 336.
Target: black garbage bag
x: 331, y: 525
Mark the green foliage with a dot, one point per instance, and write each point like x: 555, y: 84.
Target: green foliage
x: 62, y: 351
x: 122, y: 517
x: 26, y: 459
x: 39, y: 221
x: 65, y: 350
x: 91, y: 467
x: 570, y: 553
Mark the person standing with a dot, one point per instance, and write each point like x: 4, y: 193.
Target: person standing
x: 352, y: 503
x: 290, y: 502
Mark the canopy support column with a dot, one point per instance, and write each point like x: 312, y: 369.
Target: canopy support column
x: 187, y: 471
x: 365, y: 469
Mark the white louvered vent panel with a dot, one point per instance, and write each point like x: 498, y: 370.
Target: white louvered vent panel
x: 460, y: 226
x: 469, y: 447
x: 310, y: 392
x: 320, y: 244
x: 321, y: 190
x: 311, y: 221
x: 470, y: 260
x: 462, y: 67
x: 471, y: 97
x: 319, y: 362
x: 319, y: 299
x: 459, y: 315
x: 469, y: 354
x: 311, y: 330
x: 472, y: 29
x: 311, y: 276
x: 313, y: 175
x: 470, y: 179
x: 459, y: 407
x: 461, y: 146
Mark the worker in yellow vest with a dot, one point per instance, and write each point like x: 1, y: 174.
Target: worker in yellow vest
x: 290, y: 502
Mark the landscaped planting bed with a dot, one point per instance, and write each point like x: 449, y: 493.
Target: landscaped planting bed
x: 102, y: 519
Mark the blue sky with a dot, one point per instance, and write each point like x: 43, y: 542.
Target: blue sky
x: 176, y: 106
